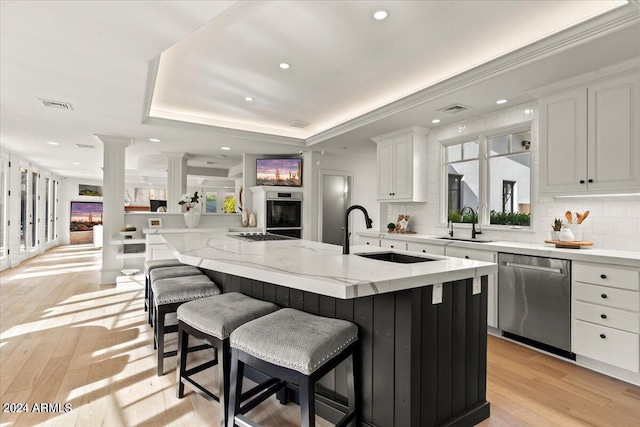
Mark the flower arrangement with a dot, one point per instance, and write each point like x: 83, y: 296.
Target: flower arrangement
x: 190, y: 201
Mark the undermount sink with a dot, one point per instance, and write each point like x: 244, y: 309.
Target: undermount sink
x: 462, y: 239
x: 395, y: 257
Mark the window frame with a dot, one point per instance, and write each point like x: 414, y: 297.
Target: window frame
x: 483, y: 172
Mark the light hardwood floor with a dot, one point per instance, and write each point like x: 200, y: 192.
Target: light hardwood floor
x: 67, y: 339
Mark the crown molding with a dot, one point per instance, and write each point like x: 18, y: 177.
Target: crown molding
x: 414, y: 130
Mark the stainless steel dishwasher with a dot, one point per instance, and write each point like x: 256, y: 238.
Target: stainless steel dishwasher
x: 534, y: 300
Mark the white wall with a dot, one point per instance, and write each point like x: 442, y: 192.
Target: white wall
x: 614, y: 222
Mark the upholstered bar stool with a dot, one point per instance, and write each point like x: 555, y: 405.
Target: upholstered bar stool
x: 299, y: 348
x: 212, y: 320
x: 160, y: 273
x: 168, y: 295
x: 150, y: 265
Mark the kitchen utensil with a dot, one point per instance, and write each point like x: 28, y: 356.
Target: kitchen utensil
x: 584, y: 216
x: 578, y: 217
x: 569, y: 217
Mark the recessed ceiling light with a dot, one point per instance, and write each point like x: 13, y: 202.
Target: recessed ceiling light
x: 248, y: 99
x: 52, y: 143
x: 380, y: 15
x: 154, y: 140
x: 435, y: 121
x: 501, y: 101
x: 75, y: 163
x: 225, y: 148
x: 284, y: 66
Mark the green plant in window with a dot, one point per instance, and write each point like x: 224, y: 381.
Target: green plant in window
x: 230, y: 204
x: 454, y: 216
x: 509, y: 218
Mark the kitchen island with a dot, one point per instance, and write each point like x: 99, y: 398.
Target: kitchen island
x: 423, y: 357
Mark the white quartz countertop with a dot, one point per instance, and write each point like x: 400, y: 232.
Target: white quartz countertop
x: 316, y: 267
x: 587, y: 254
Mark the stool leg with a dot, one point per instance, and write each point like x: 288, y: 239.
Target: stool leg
x: 353, y: 379
x: 183, y: 346
x: 235, y: 389
x: 224, y: 379
x: 146, y: 292
x: 307, y: 402
x: 159, y: 327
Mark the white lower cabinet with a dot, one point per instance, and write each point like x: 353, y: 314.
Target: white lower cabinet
x: 156, y: 248
x: 492, y: 297
x: 606, y: 314
x: 425, y: 248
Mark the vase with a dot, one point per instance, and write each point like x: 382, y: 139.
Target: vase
x: 555, y: 235
x: 252, y: 219
x: 245, y: 219
x: 192, y: 218
x: 566, y: 235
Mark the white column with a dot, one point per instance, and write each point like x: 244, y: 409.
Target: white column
x: 112, y: 202
x: 176, y: 180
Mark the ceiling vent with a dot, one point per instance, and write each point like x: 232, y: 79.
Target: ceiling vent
x: 298, y: 124
x: 211, y: 163
x: 57, y: 104
x: 454, y: 109
x: 86, y: 146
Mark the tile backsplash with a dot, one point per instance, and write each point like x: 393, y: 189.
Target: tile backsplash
x: 613, y: 223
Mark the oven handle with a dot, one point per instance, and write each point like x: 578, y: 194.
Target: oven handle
x: 532, y: 267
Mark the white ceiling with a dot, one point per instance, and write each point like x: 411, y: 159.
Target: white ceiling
x: 351, y: 77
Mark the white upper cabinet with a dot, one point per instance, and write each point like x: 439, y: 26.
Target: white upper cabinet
x: 402, y: 159
x: 589, y: 137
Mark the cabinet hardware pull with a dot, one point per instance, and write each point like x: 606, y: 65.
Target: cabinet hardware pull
x: 466, y: 256
x: 589, y: 181
x: 603, y: 336
x: 367, y: 243
x: 391, y: 246
x: 582, y: 181
x: 604, y: 295
x: 424, y: 250
x: 604, y: 316
x: 603, y: 276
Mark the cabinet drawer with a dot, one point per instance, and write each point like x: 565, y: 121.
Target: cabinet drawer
x: 608, y: 345
x: 368, y: 241
x: 425, y: 248
x: 478, y: 255
x: 602, y: 274
x: 607, y: 316
x: 393, y: 244
x: 611, y: 297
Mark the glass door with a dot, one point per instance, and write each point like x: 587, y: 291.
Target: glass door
x: 24, y: 220
x: 47, y: 209
x: 33, y: 215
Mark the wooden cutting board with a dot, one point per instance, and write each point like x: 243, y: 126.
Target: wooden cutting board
x: 568, y: 245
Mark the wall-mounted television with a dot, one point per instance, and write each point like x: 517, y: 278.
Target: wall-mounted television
x: 154, y: 205
x: 282, y: 172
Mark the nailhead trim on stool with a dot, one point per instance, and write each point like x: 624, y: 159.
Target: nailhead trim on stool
x: 299, y: 348
x: 212, y: 320
x: 167, y: 273
x: 168, y: 295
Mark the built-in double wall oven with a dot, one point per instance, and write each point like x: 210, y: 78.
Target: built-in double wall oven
x: 284, y: 213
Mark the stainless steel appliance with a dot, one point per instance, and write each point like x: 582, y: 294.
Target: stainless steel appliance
x: 534, y: 300
x: 284, y: 213
x: 260, y: 237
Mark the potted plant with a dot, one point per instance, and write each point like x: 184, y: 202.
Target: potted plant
x: 556, y: 227
x: 391, y: 227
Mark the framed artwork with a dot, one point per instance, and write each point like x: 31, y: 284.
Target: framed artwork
x: 89, y: 190
x: 155, y: 223
x: 84, y: 216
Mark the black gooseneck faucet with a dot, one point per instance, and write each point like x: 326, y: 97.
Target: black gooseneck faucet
x: 345, y: 239
x: 474, y: 219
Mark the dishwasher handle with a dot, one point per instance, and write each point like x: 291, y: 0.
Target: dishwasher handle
x: 532, y: 267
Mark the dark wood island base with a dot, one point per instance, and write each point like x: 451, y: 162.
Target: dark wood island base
x: 423, y: 364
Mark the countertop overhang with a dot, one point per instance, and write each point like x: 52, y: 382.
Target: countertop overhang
x: 316, y: 267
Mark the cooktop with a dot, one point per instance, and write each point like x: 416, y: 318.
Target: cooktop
x: 260, y: 237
